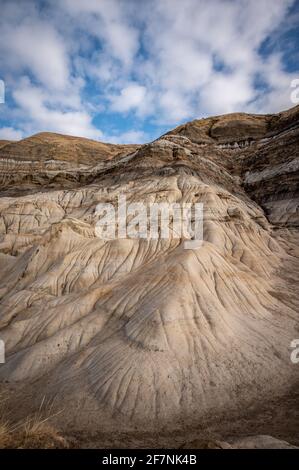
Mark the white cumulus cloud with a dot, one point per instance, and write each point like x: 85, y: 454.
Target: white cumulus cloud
x: 9, y: 133
x: 159, y: 62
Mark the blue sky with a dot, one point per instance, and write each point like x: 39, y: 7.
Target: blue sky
x: 129, y: 70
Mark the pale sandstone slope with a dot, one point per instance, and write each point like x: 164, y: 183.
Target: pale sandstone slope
x: 144, y: 331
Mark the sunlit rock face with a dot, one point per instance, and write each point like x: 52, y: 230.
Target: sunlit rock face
x: 143, y: 330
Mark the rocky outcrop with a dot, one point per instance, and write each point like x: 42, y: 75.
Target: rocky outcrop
x: 263, y: 151
x: 142, y: 328
x: 4, y: 142
x: 54, y: 160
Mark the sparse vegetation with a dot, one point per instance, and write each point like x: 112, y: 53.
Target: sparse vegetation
x: 34, y: 432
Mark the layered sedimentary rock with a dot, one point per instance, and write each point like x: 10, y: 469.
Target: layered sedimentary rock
x: 4, y: 142
x: 143, y: 330
x: 54, y: 161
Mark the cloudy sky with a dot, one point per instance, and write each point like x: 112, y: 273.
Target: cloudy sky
x: 128, y: 70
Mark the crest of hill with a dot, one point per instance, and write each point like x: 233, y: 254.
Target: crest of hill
x: 51, y: 146
x: 236, y: 127
x: 4, y: 142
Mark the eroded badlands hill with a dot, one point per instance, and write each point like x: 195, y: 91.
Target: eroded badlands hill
x: 143, y: 332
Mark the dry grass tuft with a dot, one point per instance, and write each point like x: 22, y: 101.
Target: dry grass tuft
x: 35, y: 432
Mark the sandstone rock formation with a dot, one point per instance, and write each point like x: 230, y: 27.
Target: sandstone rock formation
x: 141, y: 332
